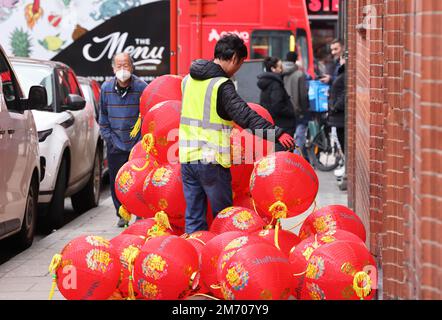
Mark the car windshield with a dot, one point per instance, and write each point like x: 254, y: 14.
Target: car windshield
x: 31, y: 75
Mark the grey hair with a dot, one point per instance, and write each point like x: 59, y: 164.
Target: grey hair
x: 131, y: 60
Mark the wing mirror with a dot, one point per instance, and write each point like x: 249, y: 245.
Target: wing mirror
x: 38, y: 98
x: 75, y: 102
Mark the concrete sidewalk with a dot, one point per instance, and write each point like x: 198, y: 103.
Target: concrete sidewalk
x: 26, y: 276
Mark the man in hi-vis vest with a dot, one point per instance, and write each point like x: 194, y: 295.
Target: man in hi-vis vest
x: 210, y: 106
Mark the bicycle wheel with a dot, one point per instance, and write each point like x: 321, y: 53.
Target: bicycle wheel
x: 322, y: 155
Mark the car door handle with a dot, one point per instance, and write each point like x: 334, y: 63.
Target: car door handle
x: 11, y: 131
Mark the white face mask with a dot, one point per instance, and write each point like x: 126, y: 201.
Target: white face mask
x: 123, y: 75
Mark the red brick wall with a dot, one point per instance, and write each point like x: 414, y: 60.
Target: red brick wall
x: 395, y: 140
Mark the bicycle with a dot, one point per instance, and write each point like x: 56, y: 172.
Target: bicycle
x: 323, y: 149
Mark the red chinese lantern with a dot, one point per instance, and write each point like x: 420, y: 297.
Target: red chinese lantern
x: 241, y: 179
x: 232, y: 248
x: 237, y: 219
x: 301, y: 253
x: 198, y: 240
x: 142, y: 149
x: 341, y: 270
x: 283, y: 185
x: 282, y: 239
x: 166, y: 268
x: 127, y: 246
x: 129, y: 187
x: 165, y: 87
x: 246, y: 201
x: 162, y: 122
x: 209, y: 259
x: 163, y: 191
x: 150, y: 227
x: 248, y: 146
x: 331, y: 218
x: 257, y: 272
x: 88, y: 268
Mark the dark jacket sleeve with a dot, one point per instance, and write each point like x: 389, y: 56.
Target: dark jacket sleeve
x: 230, y: 106
x: 338, y: 104
x: 303, y: 93
x: 281, y: 105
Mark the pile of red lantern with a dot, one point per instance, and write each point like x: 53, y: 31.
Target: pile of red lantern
x: 244, y: 254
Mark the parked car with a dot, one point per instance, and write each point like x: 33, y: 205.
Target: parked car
x: 19, y: 157
x: 91, y: 90
x: 69, y: 139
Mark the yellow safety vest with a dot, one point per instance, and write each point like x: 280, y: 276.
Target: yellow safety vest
x: 203, y: 134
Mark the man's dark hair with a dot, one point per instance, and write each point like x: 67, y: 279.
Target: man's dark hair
x: 228, y: 46
x: 292, y: 56
x: 270, y: 62
x: 337, y: 41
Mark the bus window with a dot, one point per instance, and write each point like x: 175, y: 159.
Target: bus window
x: 270, y: 43
x: 302, y: 47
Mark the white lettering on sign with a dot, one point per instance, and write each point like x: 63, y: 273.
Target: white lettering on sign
x: 116, y: 43
x: 214, y: 35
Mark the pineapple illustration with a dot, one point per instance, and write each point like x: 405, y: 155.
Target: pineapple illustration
x: 52, y: 43
x: 20, y: 43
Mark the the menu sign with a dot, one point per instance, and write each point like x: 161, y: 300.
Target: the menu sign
x: 142, y: 32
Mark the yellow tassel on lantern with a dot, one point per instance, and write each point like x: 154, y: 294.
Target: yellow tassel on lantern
x: 131, y: 253
x: 364, y: 279
x: 126, y: 215
x: 53, y: 267
x: 162, y: 219
x: 278, y: 210
x: 136, y: 128
x: 276, y: 234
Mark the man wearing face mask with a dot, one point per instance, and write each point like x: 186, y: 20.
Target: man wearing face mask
x: 119, y: 108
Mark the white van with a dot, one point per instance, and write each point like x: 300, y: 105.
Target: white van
x: 19, y: 157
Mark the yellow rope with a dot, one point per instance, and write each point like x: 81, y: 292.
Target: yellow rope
x: 53, y: 267
x: 215, y: 286
x: 139, y: 169
x: 136, y: 127
x: 276, y: 234
x: 364, y: 290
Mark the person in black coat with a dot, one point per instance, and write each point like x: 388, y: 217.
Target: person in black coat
x: 275, y: 98
x: 336, y: 104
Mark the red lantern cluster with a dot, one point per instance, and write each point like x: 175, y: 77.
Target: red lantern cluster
x: 331, y: 218
x: 88, y: 269
x: 283, y: 185
x: 246, y: 149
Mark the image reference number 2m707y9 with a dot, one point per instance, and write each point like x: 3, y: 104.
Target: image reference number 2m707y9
x: 222, y: 309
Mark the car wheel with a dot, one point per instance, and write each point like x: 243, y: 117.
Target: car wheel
x: 89, y: 196
x: 55, y: 213
x: 25, y: 237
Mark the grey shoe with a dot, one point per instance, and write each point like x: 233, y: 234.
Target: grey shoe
x: 122, y: 223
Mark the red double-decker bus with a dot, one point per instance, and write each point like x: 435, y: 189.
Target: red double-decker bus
x: 268, y: 27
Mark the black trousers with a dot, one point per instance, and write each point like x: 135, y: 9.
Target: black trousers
x: 115, y: 162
